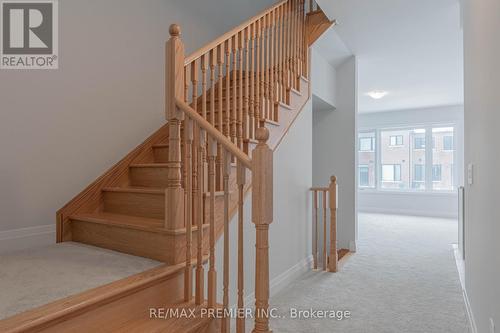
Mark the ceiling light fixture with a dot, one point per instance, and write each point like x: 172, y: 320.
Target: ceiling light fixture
x: 377, y: 94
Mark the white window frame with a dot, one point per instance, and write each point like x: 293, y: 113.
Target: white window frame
x: 372, y: 145
x: 396, y: 144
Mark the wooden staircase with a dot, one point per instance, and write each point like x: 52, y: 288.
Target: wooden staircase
x: 228, y: 106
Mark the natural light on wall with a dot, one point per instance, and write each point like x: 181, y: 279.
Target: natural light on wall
x: 401, y: 160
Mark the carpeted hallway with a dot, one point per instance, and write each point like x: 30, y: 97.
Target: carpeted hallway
x: 402, y: 279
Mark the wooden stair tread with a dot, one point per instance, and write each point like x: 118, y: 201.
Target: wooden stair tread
x: 127, y: 221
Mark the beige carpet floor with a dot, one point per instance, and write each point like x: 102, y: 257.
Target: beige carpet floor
x: 402, y: 279
x: 31, y: 278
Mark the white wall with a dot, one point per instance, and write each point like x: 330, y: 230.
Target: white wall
x: 425, y: 204
x: 290, y: 233
x: 323, y: 79
x: 482, y: 118
x: 334, y: 142
x: 61, y: 129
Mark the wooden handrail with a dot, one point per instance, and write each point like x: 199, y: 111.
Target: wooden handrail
x: 215, y: 133
x: 319, y: 189
x: 213, y: 44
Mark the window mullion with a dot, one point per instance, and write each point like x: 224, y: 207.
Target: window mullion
x: 428, y: 159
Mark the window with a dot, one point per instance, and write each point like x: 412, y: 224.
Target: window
x: 407, y: 159
x: 419, y: 173
x: 367, y: 159
x: 448, y: 142
x: 364, y: 176
x: 391, y: 172
x: 366, y: 144
x: 396, y: 140
x: 419, y: 142
x: 443, y: 159
x: 436, y: 173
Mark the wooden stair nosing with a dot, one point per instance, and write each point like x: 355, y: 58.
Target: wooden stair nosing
x: 60, y: 310
x: 124, y: 221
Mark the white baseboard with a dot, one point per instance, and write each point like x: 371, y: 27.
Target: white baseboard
x: 470, y: 315
x: 24, y: 238
x: 352, y: 246
x: 461, y: 273
x: 410, y: 212
x: 284, y: 279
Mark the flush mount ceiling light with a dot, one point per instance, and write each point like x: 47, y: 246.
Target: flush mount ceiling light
x: 377, y: 94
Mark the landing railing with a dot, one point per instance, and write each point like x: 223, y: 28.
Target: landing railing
x: 217, y: 102
x: 328, y: 197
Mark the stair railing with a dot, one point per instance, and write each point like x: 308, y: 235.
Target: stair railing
x: 203, y: 144
x: 330, y: 259
x: 217, y: 102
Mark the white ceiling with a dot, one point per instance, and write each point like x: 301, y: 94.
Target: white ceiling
x: 412, y: 49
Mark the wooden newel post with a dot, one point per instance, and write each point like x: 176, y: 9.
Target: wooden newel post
x: 174, y: 89
x: 333, y: 258
x: 262, y: 217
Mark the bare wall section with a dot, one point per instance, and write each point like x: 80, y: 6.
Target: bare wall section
x: 334, y: 143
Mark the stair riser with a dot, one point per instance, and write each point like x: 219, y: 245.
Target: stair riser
x: 135, y: 204
x: 149, y: 177
x: 160, y: 154
x: 168, y: 248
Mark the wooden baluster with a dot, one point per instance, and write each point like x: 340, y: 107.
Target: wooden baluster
x: 246, y: 106
x: 258, y: 69
x: 204, y: 86
x: 293, y: 71
x: 196, y: 215
x: 200, y: 272
x: 227, y: 131
x: 234, y: 104
x: 183, y: 142
x: 281, y: 49
x: 262, y: 86
x: 315, y: 229
x: 272, y: 84
x: 297, y: 38
x: 174, y: 78
x: 333, y: 260
x: 287, y: 51
x: 225, y: 299
x: 262, y: 217
x: 278, y: 57
x: 213, y: 64
x: 303, y: 41
x: 251, y: 111
x: 266, y: 36
x: 204, y: 106
x: 324, y: 232
x: 220, y: 61
x: 188, y: 189
x: 240, y: 180
x: 212, y: 274
x: 239, y: 116
x: 299, y: 41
